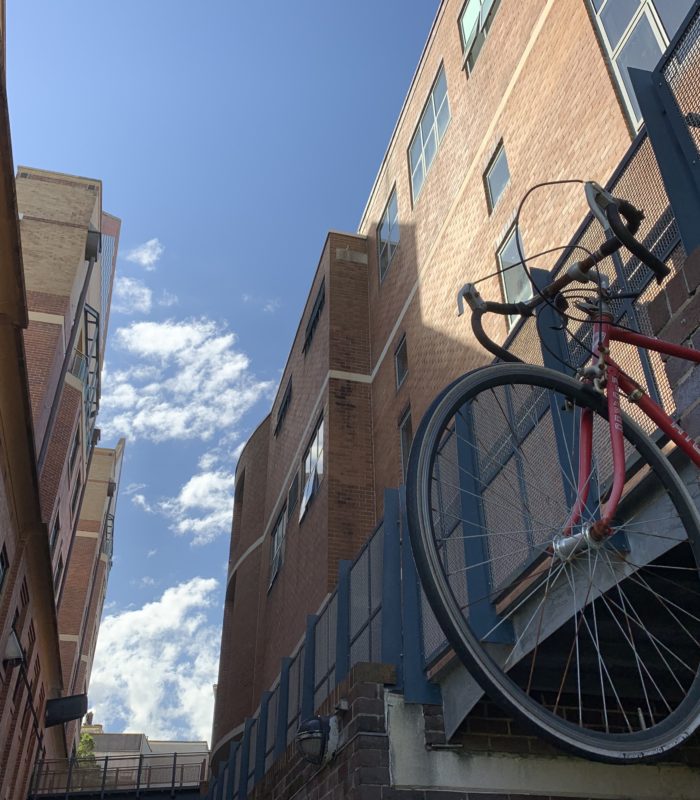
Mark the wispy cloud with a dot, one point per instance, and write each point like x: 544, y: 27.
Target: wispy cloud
x: 155, y: 665
x: 271, y: 306
x: 131, y: 296
x: 188, y: 381
x: 167, y: 299
x: 131, y: 488
x: 139, y: 500
x: 151, y: 553
x: 203, y: 507
x: 268, y: 304
x: 146, y: 254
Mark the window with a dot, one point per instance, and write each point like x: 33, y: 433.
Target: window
x: 55, y: 529
x: 516, y: 285
x: 75, y: 449
x: 388, y: 234
x: 4, y: 565
x: 429, y: 133
x: 57, y: 575
x: 474, y: 23
x: 293, y: 494
x: 313, y: 468
x: 75, y: 500
x: 277, y: 545
x: 401, y: 362
x: 496, y: 177
x: 315, y: 314
x: 284, y: 407
x: 635, y: 34
x: 406, y: 433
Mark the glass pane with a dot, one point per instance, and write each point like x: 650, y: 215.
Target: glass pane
x: 443, y: 118
x: 616, y: 17
x: 440, y: 89
x: 498, y: 177
x: 417, y: 180
x: 468, y: 22
x: 415, y: 151
x: 515, y: 281
x: 672, y: 13
x: 384, y: 231
x: 597, y: 4
x: 393, y: 212
x: 429, y: 150
x: 383, y: 261
x: 641, y: 50
x: 427, y: 124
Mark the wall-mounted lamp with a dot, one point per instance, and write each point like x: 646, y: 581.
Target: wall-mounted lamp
x: 317, y: 739
x: 13, y: 655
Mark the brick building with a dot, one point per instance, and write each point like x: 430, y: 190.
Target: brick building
x: 506, y: 94
x: 57, y: 490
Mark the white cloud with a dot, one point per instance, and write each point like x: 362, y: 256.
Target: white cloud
x: 271, y: 306
x: 151, y: 553
x: 146, y: 254
x: 133, y: 487
x: 147, y: 580
x: 187, y: 381
x: 155, y: 665
x: 131, y: 296
x: 167, y: 299
x: 140, y: 501
x: 203, y: 507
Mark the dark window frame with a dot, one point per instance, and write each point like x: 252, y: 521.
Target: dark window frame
x: 401, y: 346
x: 417, y: 131
x: 4, y: 565
x: 284, y: 407
x: 490, y: 201
x: 293, y: 494
x: 277, y: 549
x: 315, y: 315
x: 386, y: 245
x: 55, y: 530
x: 471, y: 49
x: 405, y: 448
x: 312, y: 477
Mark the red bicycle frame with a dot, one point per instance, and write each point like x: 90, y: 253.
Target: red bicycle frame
x: 605, y: 331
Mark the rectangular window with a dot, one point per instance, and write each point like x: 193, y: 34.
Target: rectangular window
x: 4, y: 565
x: 635, y: 33
x: 313, y: 468
x: 277, y: 545
x: 406, y: 432
x: 516, y: 285
x: 388, y: 234
x: 429, y: 133
x: 75, y: 449
x: 55, y: 529
x: 75, y: 500
x: 284, y: 407
x: 315, y: 315
x: 401, y: 362
x: 474, y: 23
x: 58, y: 574
x: 496, y: 177
x: 293, y: 494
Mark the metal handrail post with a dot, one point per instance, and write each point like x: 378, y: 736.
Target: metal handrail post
x: 104, y: 777
x: 138, y: 776
x: 69, y: 776
x: 172, y: 782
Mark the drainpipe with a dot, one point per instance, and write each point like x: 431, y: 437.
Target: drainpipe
x: 93, y: 246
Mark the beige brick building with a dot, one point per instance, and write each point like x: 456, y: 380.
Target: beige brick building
x: 522, y: 92
x: 57, y: 490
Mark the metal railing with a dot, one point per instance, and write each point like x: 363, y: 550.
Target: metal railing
x: 105, y: 774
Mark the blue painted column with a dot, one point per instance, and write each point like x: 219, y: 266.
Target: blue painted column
x: 392, y: 640
x: 307, y: 686
x: 416, y: 687
x: 244, y: 756
x: 231, y: 782
x: 674, y: 149
x: 282, y: 708
x: 261, y: 733
x: 342, y: 640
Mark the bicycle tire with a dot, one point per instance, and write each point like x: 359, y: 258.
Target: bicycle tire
x: 650, y: 733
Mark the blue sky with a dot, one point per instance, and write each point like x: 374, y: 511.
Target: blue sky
x: 229, y: 137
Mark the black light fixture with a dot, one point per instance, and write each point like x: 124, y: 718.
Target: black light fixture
x: 317, y: 739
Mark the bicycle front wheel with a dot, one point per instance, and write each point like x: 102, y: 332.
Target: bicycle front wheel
x: 595, y: 644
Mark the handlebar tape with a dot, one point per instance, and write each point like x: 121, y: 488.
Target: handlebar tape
x: 480, y: 334
x: 625, y: 233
